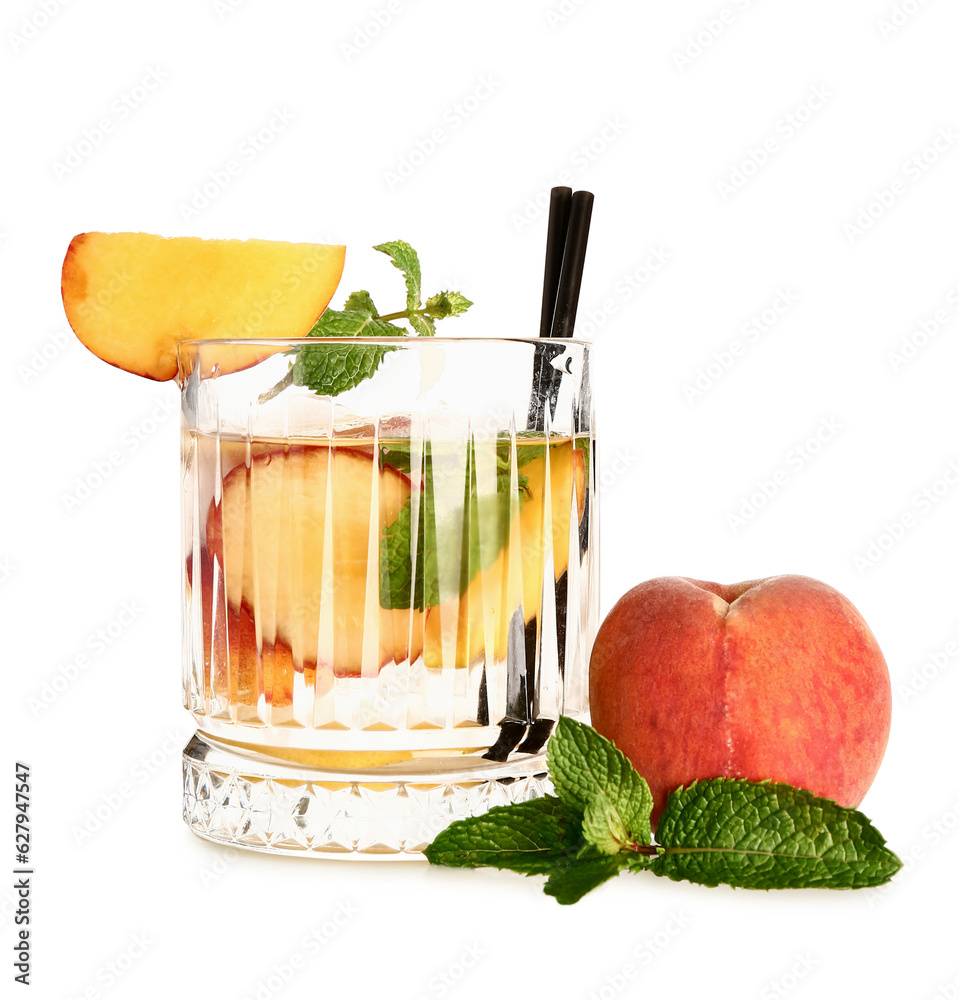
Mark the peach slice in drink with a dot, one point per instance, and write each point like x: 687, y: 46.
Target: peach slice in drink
x: 297, y: 534
x: 461, y: 627
x: 236, y: 667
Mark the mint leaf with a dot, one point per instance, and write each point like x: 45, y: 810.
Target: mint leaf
x: 405, y: 258
x: 360, y: 302
x: 768, y: 836
x: 352, y: 323
x: 396, y: 454
x: 540, y: 836
x: 401, y: 585
x: 603, y: 827
x: 329, y: 369
x: 570, y: 884
x: 422, y: 324
x: 445, y: 304
x: 590, y: 773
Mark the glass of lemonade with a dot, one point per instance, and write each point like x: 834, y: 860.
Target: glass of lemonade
x: 390, y: 594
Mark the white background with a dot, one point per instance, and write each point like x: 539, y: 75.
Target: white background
x: 595, y: 95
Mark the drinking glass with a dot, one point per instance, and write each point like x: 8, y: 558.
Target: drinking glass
x: 389, y: 593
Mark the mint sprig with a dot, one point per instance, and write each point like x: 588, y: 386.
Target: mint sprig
x: 537, y: 837
x: 329, y: 370
x: 753, y: 835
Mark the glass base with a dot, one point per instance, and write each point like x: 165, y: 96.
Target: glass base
x: 239, y: 798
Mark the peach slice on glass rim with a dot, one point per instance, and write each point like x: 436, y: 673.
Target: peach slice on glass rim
x: 132, y: 297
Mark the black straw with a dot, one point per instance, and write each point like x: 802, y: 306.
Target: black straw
x: 566, y: 237
x: 560, y: 200
x: 574, y: 256
x: 562, y: 276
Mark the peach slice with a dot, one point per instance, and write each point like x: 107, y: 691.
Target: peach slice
x: 131, y: 297
x: 235, y: 669
x: 460, y: 625
x: 297, y: 534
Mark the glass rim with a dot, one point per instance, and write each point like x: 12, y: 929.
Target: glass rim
x: 375, y: 341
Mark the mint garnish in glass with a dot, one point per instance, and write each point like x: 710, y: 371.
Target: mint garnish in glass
x: 329, y: 370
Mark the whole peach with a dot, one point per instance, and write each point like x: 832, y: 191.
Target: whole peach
x: 777, y: 678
